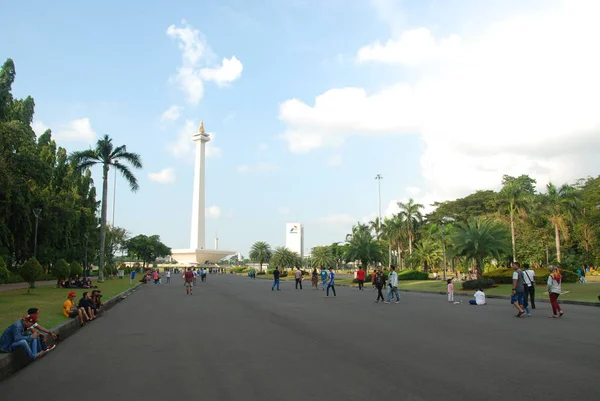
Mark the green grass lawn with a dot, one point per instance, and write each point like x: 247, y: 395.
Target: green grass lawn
x: 14, y: 303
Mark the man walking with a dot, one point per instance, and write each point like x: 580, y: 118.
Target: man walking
x: 379, y: 283
x: 168, y: 274
x: 529, y: 276
x: 323, y: 277
x: 518, y: 289
x: 275, y: 279
x: 298, y: 277
x: 393, y: 285
x: 189, y: 278
x: 331, y: 283
x: 360, y: 277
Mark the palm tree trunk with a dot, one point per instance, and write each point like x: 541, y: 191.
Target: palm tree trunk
x: 409, y: 242
x: 512, y: 233
x: 103, y: 223
x: 557, y: 239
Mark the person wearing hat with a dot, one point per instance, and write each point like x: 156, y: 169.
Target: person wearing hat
x: 71, y: 310
x: 34, y: 313
x: 20, y: 335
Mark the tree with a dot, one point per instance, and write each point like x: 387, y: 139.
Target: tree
x: 147, y: 248
x: 75, y: 269
x: 107, y: 155
x: 284, y: 258
x: 514, y: 197
x: 61, y: 269
x: 428, y: 252
x: 31, y: 271
x: 260, y: 253
x: 561, y: 205
x: 322, y: 257
x: 116, y: 238
x: 412, y: 217
x: 338, y: 254
x: 480, y: 238
x: 3, y: 271
x: 362, y: 247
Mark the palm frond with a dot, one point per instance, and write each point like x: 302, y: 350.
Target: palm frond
x: 128, y: 175
x: 132, y: 158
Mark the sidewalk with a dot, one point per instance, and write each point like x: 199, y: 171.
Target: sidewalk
x: 18, y: 286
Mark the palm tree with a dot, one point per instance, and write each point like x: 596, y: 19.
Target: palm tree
x: 428, y: 252
x: 363, y: 247
x: 260, y: 253
x: 393, y: 232
x: 412, y: 217
x: 376, y: 227
x: 561, y: 205
x: 284, y: 258
x: 322, y: 256
x: 480, y: 238
x: 515, y: 198
x: 107, y: 155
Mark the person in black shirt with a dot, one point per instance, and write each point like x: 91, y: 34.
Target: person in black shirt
x: 86, y: 303
x: 275, y: 279
x: 379, y: 284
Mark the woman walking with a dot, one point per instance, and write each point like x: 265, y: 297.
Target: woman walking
x: 554, y: 291
x: 315, y: 279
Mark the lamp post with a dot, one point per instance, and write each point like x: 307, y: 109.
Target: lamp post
x: 85, y: 264
x: 36, y: 213
x: 378, y: 177
x: 443, y: 223
x: 114, y: 195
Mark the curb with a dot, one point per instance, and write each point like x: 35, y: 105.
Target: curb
x: 11, y: 363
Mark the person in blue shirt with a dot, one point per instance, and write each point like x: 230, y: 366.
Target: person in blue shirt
x: 331, y: 283
x: 324, y: 277
x: 19, y: 335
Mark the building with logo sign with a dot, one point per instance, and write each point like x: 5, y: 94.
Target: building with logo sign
x: 294, y: 238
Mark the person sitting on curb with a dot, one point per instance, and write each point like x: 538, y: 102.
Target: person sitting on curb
x: 19, y: 335
x: 97, y: 300
x: 479, y: 298
x: 34, y: 313
x: 86, y: 303
x: 71, y: 310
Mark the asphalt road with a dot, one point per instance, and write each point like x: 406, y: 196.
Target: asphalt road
x: 235, y: 339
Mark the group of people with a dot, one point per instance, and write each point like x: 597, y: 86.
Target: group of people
x: 76, y: 282
x: 86, y: 309
x: 523, y: 288
x: 189, y: 278
x: 327, y: 280
x: 27, y: 334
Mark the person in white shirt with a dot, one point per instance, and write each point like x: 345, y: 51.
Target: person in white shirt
x: 168, y: 274
x: 393, y: 285
x: 529, y: 277
x: 479, y: 298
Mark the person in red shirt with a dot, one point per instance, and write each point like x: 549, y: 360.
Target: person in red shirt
x: 360, y: 277
x: 188, y: 276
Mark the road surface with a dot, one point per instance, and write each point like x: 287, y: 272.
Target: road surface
x: 235, y: 339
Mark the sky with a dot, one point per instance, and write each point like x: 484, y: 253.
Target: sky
x: 306, y: 101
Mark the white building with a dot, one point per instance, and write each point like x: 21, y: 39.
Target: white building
x: 294, y: 238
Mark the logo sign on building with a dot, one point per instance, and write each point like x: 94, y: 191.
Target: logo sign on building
x: 294, y: 229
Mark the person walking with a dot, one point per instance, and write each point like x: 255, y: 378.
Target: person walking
x: 554, y: 291
x: 360, y: 277
x: 315, y: 278
x: 188, y: 278
x: 379, y: 284
x: 324, y: 277
x: 168, y: 274
x: 529, y: 276
x: 373, y: 279
x: 331, y: 283
x: 518, y: 289
x: 393, y: 285
x: 450, y: 290
x: 275, y: 279
x: 298, y: 277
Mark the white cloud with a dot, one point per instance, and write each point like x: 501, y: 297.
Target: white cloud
x: 283, y: 210
x: 213, y: 212
x: 39, y: 127
x: 412, y: 48
x: 165, y: 176
x: 171, y: 114
x: 198, y: 63
x: 79, y: 130
x: 261, y: 167
x: 517, y: 98
x: 262, y: 147
x: 184, y: 146
x: 335, y: 160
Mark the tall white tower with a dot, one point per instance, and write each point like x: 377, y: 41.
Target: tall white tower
x: 198, y: 223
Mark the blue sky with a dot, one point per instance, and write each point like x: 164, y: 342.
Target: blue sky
x: 112, y: 69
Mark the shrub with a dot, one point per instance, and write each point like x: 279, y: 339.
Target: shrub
x: 283, y: 273
x: 31, y: 271
x: 61, y: 269
x: 504, y: 276
x: 260, y: 273
x: 75, y: 269
x: 4, y: 273
x: 240, y: 269
x: 412, y: 275
x: 477, y: 284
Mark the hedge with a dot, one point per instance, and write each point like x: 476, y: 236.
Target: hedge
x: 283, y: 273
x: 477, y: 284
x: 504, y: 276
x: 412, y: 275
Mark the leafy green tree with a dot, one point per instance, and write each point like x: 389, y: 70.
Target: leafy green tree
x: 322, y: 257
x: 427, y: 253
x: 362, y: 247
x: 411, y: 216
x: 147, y: 248
x: 338, y: 254
x: 106, y: 155
x: 61, y: 269
x: 260, y: 253
x: 31, y: 271
x: 561, y: 205
x: 480, y: 238
x: 284, y: 258
x: 75, y: 269
x: 4, y: 273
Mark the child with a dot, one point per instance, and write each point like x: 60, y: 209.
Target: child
x: 479, y: 298
x: 450, y: 291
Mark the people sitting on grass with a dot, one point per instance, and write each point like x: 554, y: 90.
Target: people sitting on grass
x: 86, y: 303
x: 71, y: 310
x: 21, y: 334
x: 479, y: 298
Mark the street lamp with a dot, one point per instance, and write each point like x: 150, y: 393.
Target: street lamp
x: 443, y: 223
x: 114, y: 194
x: 36, y: 212
x: 378, y: 177
x: 85, y: 264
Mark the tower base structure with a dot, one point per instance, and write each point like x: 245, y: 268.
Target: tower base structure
x: 201, y: 257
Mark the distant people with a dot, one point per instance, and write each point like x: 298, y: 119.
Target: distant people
x: 479, y: 298
x: 323, y: 278
x: 554, y: 291
x: 20, y: 335
x: 188, y: 278
x: 379, y: 284
x: 168, y: 274
x: 393, y: 285
x: 529, y: 276
x: 450, y: 290
x: 298, y: 277
x: 518, y: 289
x: 203, y: 274
x: 360, y: 277
x: 275, y: 279
x: 331, y: 282
x: 315, y: 279
x: 583, y: 279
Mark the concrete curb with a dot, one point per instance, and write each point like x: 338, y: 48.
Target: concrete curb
x: 13, y: 362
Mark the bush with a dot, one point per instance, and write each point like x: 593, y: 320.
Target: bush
x: 504, y: 276
x: 75, y: 269
x: 31, y: 271
x: 283, y: 273
x: 61, y: 269
x: 4, y: 273
x: 412, y: 275
x: 477, y: 284
x: 240, y: 269
x: 261, y: 273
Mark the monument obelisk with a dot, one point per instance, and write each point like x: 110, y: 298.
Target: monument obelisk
x: 197, y: 253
